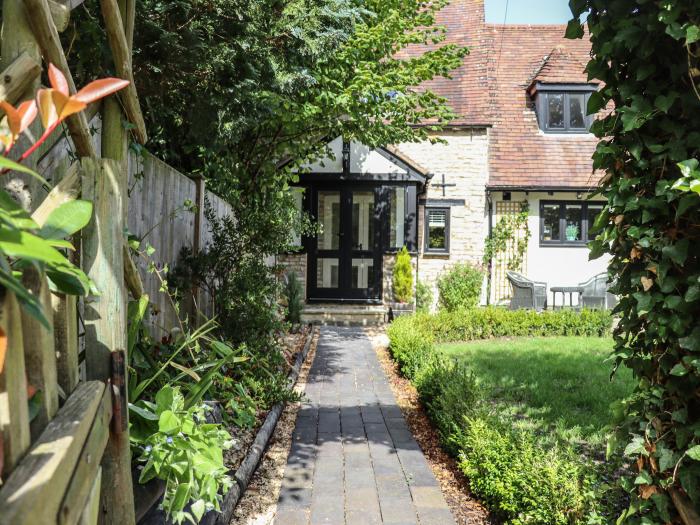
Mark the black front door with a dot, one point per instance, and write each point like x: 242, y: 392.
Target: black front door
x: 345, y: 263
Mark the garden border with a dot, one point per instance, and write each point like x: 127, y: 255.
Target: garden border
x: 245, y: 471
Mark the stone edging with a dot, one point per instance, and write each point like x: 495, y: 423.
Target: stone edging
x: 247, y: 467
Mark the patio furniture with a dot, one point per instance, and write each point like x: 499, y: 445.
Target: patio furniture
x: 526, y: 292
x: 564, y: 290
x: 595, y: 293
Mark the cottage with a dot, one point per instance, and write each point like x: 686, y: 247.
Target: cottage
x: 520, y: 143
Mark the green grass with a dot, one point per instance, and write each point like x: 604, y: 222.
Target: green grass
x: 558, y: 387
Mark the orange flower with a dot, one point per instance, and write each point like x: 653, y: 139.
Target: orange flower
x: 18, y: 119
x: 56, y: 103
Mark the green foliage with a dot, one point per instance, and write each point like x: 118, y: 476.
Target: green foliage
x: 424, y: 297
x: 23, y: 243
x: 403, y: 277
x: 650, y: 142
x: 294, y: 297
x: 459, y: 287
x: 519, y: 481
x: 177, y: 445
x: 523, y: 478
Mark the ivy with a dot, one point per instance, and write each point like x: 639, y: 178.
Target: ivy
x: 646, y: 54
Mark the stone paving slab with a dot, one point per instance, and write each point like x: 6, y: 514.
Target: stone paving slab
x: 353, y: 459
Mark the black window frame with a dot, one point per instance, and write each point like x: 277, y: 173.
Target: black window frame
x: 426, y: 230
x: 544, y: 91
x: 585, y: 222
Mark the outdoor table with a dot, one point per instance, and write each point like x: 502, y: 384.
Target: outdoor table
x: 571, y: 290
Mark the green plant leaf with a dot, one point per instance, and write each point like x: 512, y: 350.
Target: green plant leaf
x: 66, y: 220
x: 574, y: 29
x: 694, y: 452
x: 168, y: 422
x: 181, y: 497
x: 6, y: 163
x: 24, y: 245
x: 198, y: 508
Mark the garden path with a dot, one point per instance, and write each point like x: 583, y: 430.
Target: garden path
x: 353, y: 459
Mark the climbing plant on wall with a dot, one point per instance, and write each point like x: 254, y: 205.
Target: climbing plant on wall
x: 647, y: 56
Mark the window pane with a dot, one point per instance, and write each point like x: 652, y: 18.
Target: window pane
x: 555, y: 111
x: 437, y: 229
x: 298, y: 195
x: 329, y: 218
x: 362, y: 220
x: 577, y: 117
x: 573, y: 214
x: 593, y: 212
x: 550, y: 227
x: 397, y: 217
x: 362, y: 273
x: 327, y: 273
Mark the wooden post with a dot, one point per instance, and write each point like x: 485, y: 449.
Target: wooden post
x: 14, y: 416
x: 39, y: 351
x: 104, y: 183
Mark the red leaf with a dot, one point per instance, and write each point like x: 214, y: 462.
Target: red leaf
x: 13, y: 117
x: 47, y: 107
x: 27, y: 111
x: 58, y: 80
x: 100, y: 89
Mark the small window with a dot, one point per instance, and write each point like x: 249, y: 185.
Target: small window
x: 563, y: 112
x: 567, y: 223
x: 437, y: 230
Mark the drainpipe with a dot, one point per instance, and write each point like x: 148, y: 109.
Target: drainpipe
x: 490, y: 266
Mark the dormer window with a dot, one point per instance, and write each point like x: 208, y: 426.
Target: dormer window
x: 562, y: 109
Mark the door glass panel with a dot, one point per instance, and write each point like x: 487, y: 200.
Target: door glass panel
x: 362, y: 220
x: 550, y: 223
x: 397, y: 217
x: 327, y: 272
x: 362, y: 273
x: 573, y: 215
x: 329, y: 219
x: 576, y: 116
x: 555, y: 111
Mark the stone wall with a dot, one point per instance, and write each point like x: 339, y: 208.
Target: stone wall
x: 463, y: 160
x: 295, y: 262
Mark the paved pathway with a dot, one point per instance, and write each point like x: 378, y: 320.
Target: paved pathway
x: 353, y: 459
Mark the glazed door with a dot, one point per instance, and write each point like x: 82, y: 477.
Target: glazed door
x: 346, y: 264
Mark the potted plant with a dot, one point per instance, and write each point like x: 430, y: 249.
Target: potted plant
x: 572, y: 232
x: 402, y: 281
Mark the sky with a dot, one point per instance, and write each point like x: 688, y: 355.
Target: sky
x: 528, y: 11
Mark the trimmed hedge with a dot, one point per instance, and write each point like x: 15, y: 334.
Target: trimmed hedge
x: 487, y: 323
x: 520, y: 480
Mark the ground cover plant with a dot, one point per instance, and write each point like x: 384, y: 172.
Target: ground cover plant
x: 527, y: 417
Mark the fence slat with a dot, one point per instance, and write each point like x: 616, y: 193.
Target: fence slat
x: 39, y: 352
x: 18, y: 77
x: 92, y: 508
x: 65, y: 330
x: 77, y: 496
x: 14, y: 415
x: 34, y: 491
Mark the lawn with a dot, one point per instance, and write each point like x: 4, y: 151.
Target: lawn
x: 559, y: 384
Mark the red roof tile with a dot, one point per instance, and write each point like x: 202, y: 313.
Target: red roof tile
x: 491, y: 89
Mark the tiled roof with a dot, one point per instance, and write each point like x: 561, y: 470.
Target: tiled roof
x: 491, y: 89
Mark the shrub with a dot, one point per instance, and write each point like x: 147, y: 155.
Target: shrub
x: 424, y: 297
x: 410, y: 345
x: 293, y: 295
x: 460, y: 287
x: 403, y: 277
x: 520, y: 481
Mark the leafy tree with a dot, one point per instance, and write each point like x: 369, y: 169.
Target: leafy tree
x: 647, y: 55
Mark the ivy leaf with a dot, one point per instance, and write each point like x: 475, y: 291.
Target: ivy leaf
x: 692, y: 34
x: 692, y: 342
x: 574, y: 29
x: 677, y: 252
x: 596, y: 102
x: 644, y: 478
x: 679, y: 370
x: 694, y: 452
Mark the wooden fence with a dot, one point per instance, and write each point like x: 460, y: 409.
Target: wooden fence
x: 64, y: 432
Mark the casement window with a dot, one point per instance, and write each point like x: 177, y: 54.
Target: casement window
x: 567, y: 223
x: 437, y: 230
x: 562, y: 109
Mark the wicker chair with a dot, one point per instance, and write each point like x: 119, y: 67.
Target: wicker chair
x: 595, y: 293
x: 527, y: 293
